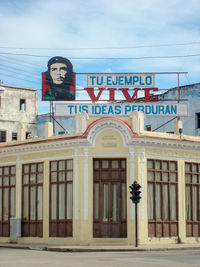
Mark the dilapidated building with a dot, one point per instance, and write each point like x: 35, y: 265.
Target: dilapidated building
x: 189, y: 94
x: 18, y: 106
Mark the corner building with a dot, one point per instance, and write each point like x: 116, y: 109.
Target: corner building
x: 74, y: 189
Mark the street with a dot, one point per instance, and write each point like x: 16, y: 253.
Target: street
x: 23, y: 258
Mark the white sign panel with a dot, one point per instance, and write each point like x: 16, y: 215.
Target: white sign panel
x: 120, y: 80
x: 158, y: 109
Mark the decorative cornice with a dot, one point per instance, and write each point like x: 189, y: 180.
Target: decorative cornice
x: 108, y: 123
x: 44, y: 146
x: 165, y: 143
x: 89, y: 137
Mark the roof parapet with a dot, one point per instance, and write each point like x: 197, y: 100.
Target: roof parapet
x: 137, y: 122
x: 178, y: 127
x: 21, y: 132
x: 48, y: 129
x: 81, y: 120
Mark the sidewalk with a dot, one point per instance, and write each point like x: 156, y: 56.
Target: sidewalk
x: 92, y: 248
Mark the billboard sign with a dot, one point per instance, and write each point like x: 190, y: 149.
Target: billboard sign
x: 58, y: 82
x: 122, y: 109
x: 120, y: 80
x: 121, y: 93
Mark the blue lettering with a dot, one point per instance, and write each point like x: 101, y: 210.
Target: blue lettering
x: 121, y: 80
x: 117, y: 110
x: 70, y: 109
x: 141, y: 108
x: 134, y: 107
x: 79, y: 109
x: 135, y: 79
x: 116, y: 81
x: 148, y: 80
x: 127, y: 109
x: 99, y: 82
x: 110, y: 110
x: 92, y: 77
x: 103, y: 111
x: 147, y: 109
x: 109, y: 80
x: 167, y: 111
x: 173, y: 109
x: 128, y: 80
x: 97, y: 110
x: 154, y: 109
x: 85, y: 108
x: 141, y: 83
x: 161, y: 109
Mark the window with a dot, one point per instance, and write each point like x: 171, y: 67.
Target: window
x: 61, y: 195
x: 148, y: 127
x: 14, y: 136
x: 197, y: 120
x: 22, y: 104
x: 7, y: 198
x: 162, y: 198
x: 28, y: 134
x: 192, y: 191
x: 32, y: 199
x: 2, y: 136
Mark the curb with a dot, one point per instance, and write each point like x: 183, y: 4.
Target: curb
x: 117, y: 249
x: 96, y: 249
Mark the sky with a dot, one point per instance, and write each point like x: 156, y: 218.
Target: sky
x: 101, y: 36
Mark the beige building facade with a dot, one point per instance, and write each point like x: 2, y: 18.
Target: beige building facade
x: 74, y: 189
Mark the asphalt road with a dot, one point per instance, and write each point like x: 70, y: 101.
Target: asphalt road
x: 33, y: 258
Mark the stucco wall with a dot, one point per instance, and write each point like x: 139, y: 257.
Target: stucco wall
x: 106, y: 139
x: 10, y: 113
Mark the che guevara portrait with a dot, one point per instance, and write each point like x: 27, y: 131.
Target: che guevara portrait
x: 58, y: 82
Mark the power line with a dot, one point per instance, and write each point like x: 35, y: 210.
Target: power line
x: 99, y: 48
x: 16, y: 77
x: 21, y: 72
x: 106, y: 58
x: 16, y: 61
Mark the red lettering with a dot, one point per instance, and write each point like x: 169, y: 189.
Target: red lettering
x: 127, y: 96
x: 112, y: 94
x: 92, y: 95
x: 147, y: 95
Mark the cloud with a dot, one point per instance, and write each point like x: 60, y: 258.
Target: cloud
x: 98, y: 24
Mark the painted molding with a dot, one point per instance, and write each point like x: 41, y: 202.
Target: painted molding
x: 89, y: 137
x: 86, y: 193
x: 18, y: 196
x: 142, y: 180
x: 76, y: 184
x: 109, y: 124
x: 131, y: 180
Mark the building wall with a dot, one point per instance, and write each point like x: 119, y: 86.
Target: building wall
x: 61, y: 125
x: 11, y: 115
x: 108, y: 138
x: 191, y: 95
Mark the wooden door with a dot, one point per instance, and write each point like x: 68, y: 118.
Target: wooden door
x: 109, y: 198
x: 32, y: 200
x: 7, y: 198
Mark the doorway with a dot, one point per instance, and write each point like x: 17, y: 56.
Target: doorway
x: 109, y: 198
